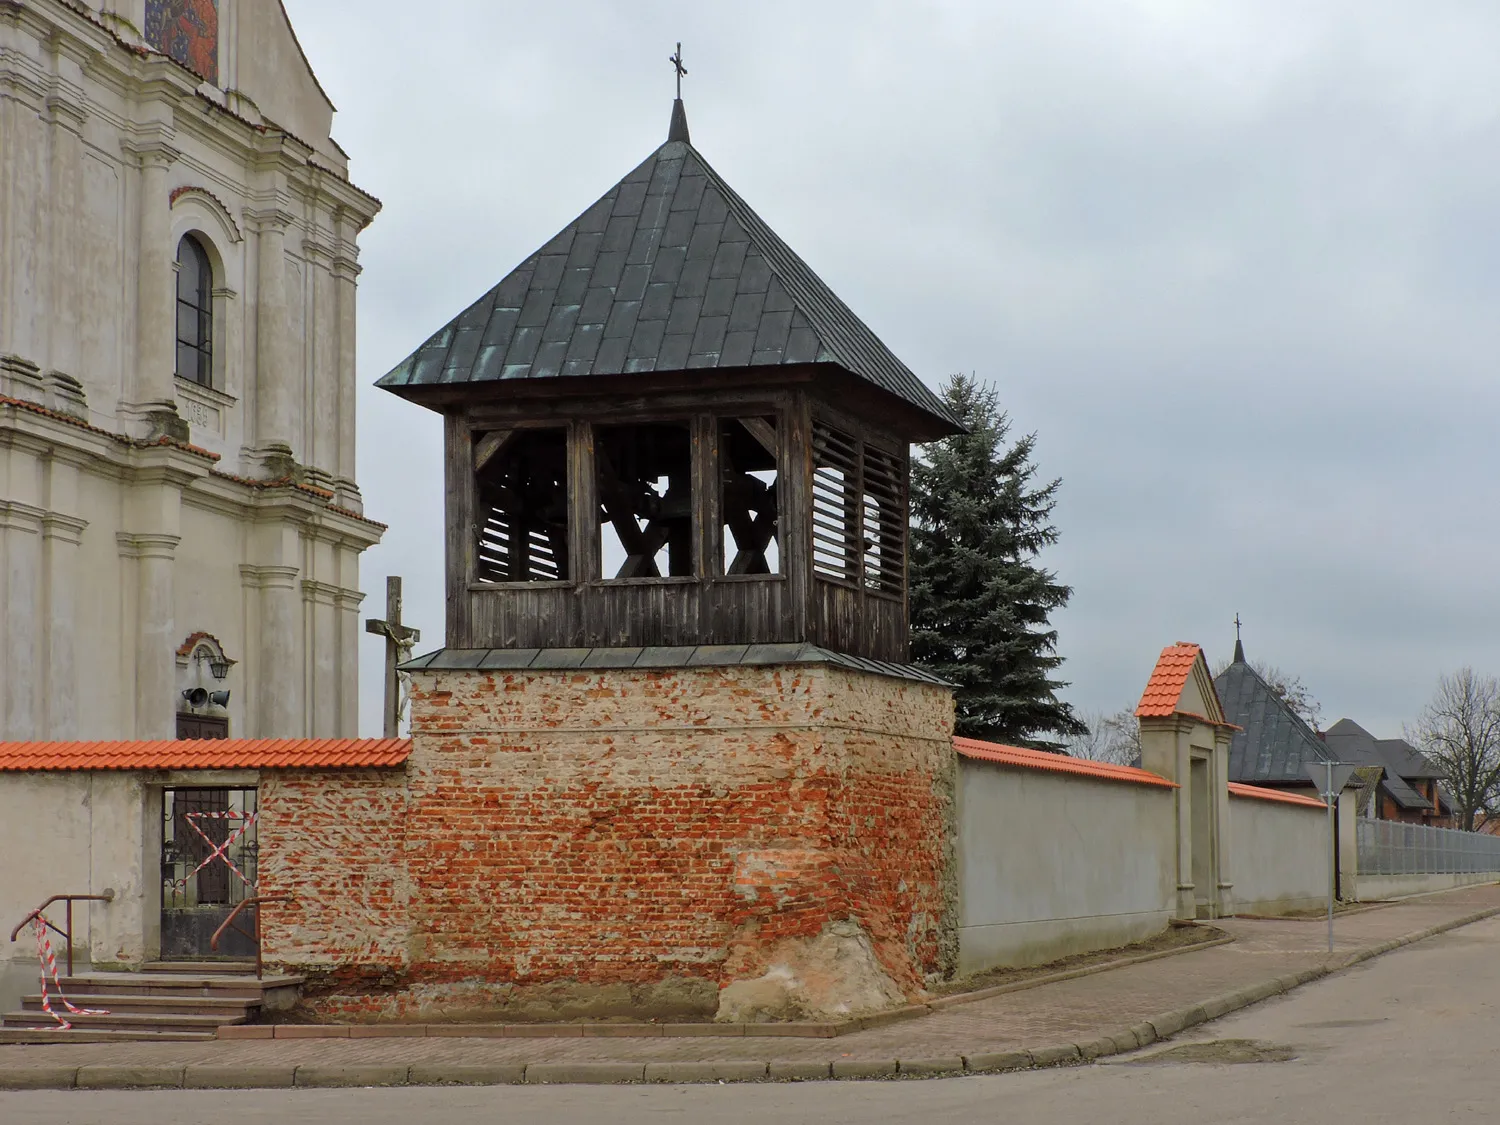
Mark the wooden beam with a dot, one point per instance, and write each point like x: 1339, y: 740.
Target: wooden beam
x: 763, y: 432
x: 489, y: 445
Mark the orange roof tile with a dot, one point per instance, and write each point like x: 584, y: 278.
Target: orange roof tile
x: 1236, y: 789
x: 206, y: 754
x: 1056, y: 763
x: 1168, y: 678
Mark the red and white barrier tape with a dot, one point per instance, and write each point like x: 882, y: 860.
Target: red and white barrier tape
x: 49, y: 965
x: 220, y: 851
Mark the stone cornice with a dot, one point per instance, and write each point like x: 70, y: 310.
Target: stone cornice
x: 349, y: 599
x: 321, y: 593
x: 16, y: 516
x: 147, y: 544
x: 167, y: 465
x: 149, y: 147
x: 68, y: 107
x: 268, y: 218
x: 272, y: 501
x: 65, y: 529
x: 273, y: 577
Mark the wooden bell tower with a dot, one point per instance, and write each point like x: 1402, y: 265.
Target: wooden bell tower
x: 676, y: 591
x: 664, y: 430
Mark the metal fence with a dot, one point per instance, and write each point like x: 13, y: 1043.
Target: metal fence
x: 1388, y: 847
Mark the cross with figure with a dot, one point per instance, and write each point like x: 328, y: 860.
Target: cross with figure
x: 399, y: 640
x: 676, y: 61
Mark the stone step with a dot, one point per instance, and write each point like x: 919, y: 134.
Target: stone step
x: 235, y: 966
x: 125, y: 1021
x: 176, y: 984
x: 40, y: 1034
x: 199, y: 1005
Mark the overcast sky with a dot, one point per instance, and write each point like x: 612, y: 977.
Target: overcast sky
x: 1236, y: 263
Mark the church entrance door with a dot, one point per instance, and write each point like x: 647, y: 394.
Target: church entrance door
x: 208, y: 866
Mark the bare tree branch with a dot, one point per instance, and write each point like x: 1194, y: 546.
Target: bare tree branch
x: 1459, y: 731
x: 1114, y: 738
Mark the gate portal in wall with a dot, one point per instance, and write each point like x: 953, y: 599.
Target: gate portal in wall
x: 208, y: 866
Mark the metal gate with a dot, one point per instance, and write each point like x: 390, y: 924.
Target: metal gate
x: 208, y: 865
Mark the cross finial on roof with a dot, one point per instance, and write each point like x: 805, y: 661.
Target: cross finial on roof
x: 1239, y: 649
x: 678, y: 130
x: 676, y: 61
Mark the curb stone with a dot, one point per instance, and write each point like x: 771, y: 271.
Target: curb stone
x: 800, y: 1071
x: 103, y: 1076
x: 1059, y: 1054
x: 38, y: 1078
x: 998, y: 1061
x: 216, y: 1076
x: 100, y: 1076
x: 354, y: 1075
x: 447, y: 1074
x: 725, y: 1071
x: 930, y: 1067
x: 599, y: 1072
x: 864, y: 1068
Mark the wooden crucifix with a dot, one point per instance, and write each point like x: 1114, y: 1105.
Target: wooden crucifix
x: 399, y: 639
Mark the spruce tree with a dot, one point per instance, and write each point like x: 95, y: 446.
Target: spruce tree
x: 979, y: 601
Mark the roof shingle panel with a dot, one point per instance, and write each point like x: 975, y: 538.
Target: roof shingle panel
x: 674, y: 223
x: 1274, y: 744
x: 1168, y: 678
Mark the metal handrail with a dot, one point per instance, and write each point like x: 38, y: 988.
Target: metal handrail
x: 213, y: 942
x: 107, y: 896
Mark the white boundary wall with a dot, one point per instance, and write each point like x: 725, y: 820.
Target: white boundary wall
x: 1279, y: 853
x: 76, y: 832
x: 1052, y: 864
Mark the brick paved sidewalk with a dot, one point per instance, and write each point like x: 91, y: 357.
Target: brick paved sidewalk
x: 1098, y: 1014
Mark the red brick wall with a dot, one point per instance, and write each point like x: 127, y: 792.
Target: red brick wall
x: 589, y: 843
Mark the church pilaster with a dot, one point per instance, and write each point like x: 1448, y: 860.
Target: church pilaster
x: 346, y: 605
x: 61, y: 537
x: 346, y: 274
x: 154, y: 399
x: 20, y: 599
x: 275, y: 389
x: 154, y: 555
x: 67, y: 111
x: 276, y: 610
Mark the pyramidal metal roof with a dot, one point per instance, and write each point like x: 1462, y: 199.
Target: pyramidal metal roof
x: 1274, y: 744
x: 669, y: 270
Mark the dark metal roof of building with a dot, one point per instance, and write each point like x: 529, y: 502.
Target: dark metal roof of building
x: 1400, y: 757
x: 1274, y: 743
x: 657, y: 657
x: 670, y: 270
x: 1401, y: 761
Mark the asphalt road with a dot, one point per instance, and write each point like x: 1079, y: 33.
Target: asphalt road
x: 1411, y: 1036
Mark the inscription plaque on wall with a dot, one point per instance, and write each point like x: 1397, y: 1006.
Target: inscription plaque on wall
x: 186, y: 31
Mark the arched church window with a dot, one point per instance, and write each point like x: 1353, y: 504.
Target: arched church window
x: 195, y: 314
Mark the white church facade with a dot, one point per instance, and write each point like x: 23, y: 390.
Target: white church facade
x: 179, y: 517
